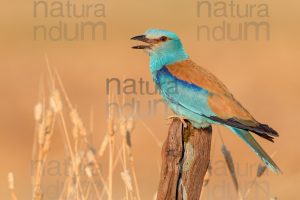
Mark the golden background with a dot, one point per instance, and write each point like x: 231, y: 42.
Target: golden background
x: 263, y: 75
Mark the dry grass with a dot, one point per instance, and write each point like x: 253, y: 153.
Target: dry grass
x: 54, y: 108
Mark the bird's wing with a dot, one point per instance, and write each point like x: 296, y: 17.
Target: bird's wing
x: 221, y: 102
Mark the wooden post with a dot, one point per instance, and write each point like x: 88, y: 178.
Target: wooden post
x: 185, y: 159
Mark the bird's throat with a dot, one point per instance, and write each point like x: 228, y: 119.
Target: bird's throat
x: 159, y: 60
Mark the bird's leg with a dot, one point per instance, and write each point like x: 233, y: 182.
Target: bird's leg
x: 181, y: 118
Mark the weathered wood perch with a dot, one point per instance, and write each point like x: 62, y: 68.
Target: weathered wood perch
x: 185, y: 159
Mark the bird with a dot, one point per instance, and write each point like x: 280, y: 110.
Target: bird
x: 195, y: 94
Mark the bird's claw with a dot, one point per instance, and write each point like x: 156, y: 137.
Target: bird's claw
x: 181, y: 118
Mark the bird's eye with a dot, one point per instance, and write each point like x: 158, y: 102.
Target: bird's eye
x: 163, y: 38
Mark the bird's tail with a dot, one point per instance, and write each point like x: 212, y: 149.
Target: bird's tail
x: 251, y: 142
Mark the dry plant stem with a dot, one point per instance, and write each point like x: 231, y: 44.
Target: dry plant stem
x: 250, y: 188
x: 185, y: 160
x: 134, y: 175
x: 69, y: 145
x: 131, y: 162
x: 43, y: 150
x: 63, y: 193
x: 231, y: 168
x: 114, y: 166
x: 35, y: 138
x: 95, y: 188
x: 110, y: 173
x: 125, y: 165
x: 11, y: 186
x: 64, y: 91
x: 111, y: 135
x: 100, y: 176
x: 87, y: 193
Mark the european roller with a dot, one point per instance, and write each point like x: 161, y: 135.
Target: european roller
x: 197, y: 95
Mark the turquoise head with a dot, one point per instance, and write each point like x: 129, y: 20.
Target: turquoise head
x: 164, y: 48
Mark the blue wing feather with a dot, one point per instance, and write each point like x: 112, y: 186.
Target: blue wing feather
x: 186, y: 99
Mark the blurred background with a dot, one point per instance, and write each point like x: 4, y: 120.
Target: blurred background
x: 263, y: 74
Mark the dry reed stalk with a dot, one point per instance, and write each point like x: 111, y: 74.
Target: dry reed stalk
x: 125, y: 143
x: 111, y: 134
x: 62, y: 195
x: 110, y: 171
x: 90, y: 175
x: 103, y: 146
x: 124, y: 174
x: 129, y: 131
x: 206, y: 179
x: 11, y: 186
x: 45, y: 133
x: 78, y: 130
x: 45, y: 119
x: 115, y: 163
x: 230, y: 165
x: 88, y: 192
x: 38, y: 114
x: 92, y: 164
x: 39, y: 117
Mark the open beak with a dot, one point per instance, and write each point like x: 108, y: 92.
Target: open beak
x: 142, y: 38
